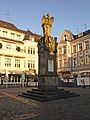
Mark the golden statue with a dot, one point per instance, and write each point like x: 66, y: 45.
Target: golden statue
x: 47, y: 24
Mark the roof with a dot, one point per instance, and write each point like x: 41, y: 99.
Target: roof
x: 29, y: 33
x: 11, y: 26
x: 82, y: 34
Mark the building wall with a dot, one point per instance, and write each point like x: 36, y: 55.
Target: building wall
x: 75, y: 60
x: 16, y: 54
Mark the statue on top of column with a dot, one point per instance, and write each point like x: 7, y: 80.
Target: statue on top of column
x: 47, y: 22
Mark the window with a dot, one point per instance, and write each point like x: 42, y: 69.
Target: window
x: 74, y: 62
x: 60, y: 64
x: 87, y: 45
x: 69, y: 62
x: 4, y: 33
x: 64, y: 50
x: 12, y: 36
x: 28, y: 63
x: 33, y: 51
x: 24, y: 63
x: 18, y: 37
x: 65, y: 63
x: 31, y: 64
x: 81, y: 60
x: 8, y: 46
x: 17, y: 63
x: 60, y: 51
x: 87, y: 58
x: 74, y: 49
x: 80, y: 46
x: 28, y: 50
x: 7, y: 62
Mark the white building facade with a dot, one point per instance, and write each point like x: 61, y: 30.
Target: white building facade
x: 18, y: 53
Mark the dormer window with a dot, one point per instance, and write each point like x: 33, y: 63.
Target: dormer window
x: 12, y: 36
x: 18, y: 37
x: 8, y: 46
x: 4, y: 33
x: 65, y: 38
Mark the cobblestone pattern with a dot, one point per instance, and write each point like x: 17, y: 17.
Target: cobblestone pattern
x: 13, y: 107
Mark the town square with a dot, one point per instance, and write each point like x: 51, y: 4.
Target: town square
x: 44, y: 73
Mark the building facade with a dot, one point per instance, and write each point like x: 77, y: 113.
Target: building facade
x: 74, y: 55
x: 18, y: 52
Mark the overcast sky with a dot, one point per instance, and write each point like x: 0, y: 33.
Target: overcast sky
x: 73, y: 15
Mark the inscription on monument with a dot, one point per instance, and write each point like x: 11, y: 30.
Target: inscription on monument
x: 50, y: 66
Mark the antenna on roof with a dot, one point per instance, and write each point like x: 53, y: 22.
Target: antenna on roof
x: 7, y: 15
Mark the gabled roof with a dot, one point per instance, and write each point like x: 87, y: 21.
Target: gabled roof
x: 10, y: 26
x: 67, y: 33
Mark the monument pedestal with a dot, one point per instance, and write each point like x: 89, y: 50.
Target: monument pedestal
x: 48, y: 82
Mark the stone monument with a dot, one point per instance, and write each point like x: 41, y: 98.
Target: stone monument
x: 47, y: 51
x: 47, y: 76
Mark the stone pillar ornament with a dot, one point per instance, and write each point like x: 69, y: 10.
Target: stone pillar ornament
x: 47, y: 51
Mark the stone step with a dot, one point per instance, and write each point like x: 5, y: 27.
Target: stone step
x: 30, y: 97
x: 45, y: 92
x: 48, y: 96
x: 30, y: 93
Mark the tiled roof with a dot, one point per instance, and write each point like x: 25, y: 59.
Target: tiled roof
x: 10, y: 26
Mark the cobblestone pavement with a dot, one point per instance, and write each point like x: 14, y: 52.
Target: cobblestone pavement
x: 13, y: 107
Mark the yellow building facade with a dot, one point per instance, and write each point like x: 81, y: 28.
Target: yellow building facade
x: 18, y: 52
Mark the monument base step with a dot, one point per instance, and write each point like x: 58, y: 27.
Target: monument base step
x: 47, y: 95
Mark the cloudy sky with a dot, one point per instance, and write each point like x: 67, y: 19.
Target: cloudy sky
x: 73, y: 15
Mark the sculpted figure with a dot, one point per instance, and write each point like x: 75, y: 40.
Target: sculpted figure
x: 47, y: 24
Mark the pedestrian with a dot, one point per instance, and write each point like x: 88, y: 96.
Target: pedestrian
x: 6, y: 79
x: 83, y: 83
x: 23, y: 78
